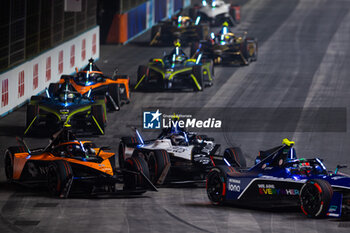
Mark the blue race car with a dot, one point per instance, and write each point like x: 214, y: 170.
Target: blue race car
x: 280, y: 179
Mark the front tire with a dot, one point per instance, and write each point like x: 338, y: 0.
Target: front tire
x: 58, y: 175
x: 315, y: 198
x: 216, y: 185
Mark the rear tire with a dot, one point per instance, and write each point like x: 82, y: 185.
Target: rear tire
x: 141, y: 71
x: 121, y: 154
x: 98, y: 113
x: 59, y: 173
x: 315, y: 198
x: 193, y: 12
x: 197, y: 72
x: 114, y: 92
x: 133, y: 181
x: 194, y: 47
x: 32, y: 112
x: 154, y: 31
x: 157, y: 161
x: 235, y: 157
x: 53, y: 88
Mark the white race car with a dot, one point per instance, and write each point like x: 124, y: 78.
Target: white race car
x: 178, y: 156
x: 216, y: 12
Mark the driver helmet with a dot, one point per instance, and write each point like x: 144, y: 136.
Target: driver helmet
x: 67, y: 97
x: 183, y: 21
x: 178, y: 54
x: 177, y: 139
x: 72, y: 149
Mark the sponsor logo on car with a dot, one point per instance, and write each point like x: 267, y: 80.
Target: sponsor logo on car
x: 270, y: 189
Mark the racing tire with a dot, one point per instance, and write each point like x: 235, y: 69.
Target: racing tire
x: 53, y: 88
x: 58, y: 175
x: 235, y: 157
x: 207, y: 80
x: 125, y: 142
x: 99, y: 118
x: 202, y: 32
x: 154, y: 31
x: 141, y: 71
x: 315, y: 198
x: 8, y: 161
x: 193, y: 12
x: 216, y: 184
x: 197, y: 72
x: 123, y: 90
x: 32, y: 112
x: 255, y: 56
x: 114, y: 93
x: 232, y: 13
x: 131, y: 180
x: 157, y: 162
x: 245, y: 52
x: 194, y: 47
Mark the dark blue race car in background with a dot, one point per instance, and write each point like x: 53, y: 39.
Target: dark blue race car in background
x: 280, y: 179
x: 66, y: 107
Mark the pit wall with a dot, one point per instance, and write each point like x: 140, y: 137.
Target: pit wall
x: 18, y: 84
x: 130, y: 24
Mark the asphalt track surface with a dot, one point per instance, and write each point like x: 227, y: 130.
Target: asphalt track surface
x: 303, y: 62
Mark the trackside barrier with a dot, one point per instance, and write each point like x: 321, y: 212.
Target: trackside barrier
x: 130, y: 24
x: 18, y: 84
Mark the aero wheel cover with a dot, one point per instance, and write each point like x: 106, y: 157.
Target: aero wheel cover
x: 215, y: 187
x: 311, y: 199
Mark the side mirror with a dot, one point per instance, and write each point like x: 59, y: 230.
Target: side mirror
x: 340, y: 167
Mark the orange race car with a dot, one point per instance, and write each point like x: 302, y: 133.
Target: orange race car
x: 116, y: 88
x: 69, y: 166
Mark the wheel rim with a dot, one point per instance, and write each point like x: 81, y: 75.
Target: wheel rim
x: 311, y: 201
x: 8, y: 167
x: 214, y: 187
x: 53, y: 181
